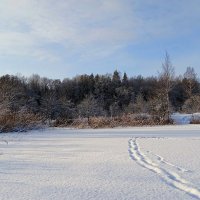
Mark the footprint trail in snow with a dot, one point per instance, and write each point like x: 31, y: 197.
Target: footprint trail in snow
x: 171, y: 178
x: 162, y: 160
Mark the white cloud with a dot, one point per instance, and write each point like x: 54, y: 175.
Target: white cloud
x: 28, y: 25
x: 89, y: 27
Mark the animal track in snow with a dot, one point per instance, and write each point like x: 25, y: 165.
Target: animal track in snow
x: 170, y: 177
x: 162, y: 160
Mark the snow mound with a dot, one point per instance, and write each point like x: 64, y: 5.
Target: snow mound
x: 180, y: 118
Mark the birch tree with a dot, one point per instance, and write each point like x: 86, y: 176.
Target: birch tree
x: 166, y: 78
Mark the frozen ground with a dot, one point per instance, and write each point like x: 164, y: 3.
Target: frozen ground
x: 134, y: 163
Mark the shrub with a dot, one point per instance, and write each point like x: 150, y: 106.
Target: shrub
x: 19, y: 121
x: 195, y: 118
x: 123, y: 121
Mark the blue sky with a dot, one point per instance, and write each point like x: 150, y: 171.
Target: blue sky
x: 63, y: 38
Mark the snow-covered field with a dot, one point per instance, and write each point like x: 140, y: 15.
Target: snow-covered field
x: 134, y: 163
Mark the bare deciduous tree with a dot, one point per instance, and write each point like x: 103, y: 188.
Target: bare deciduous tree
x: 192, y: 105
x: 140, y: 104
x: 90, y: 107
x: 190, y: 81
x: 166, y: 82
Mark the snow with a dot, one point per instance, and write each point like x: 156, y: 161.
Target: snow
x: 157, y: 163
x: 180, y: 118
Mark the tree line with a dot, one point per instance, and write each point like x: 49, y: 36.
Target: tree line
x: 109, y: 95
